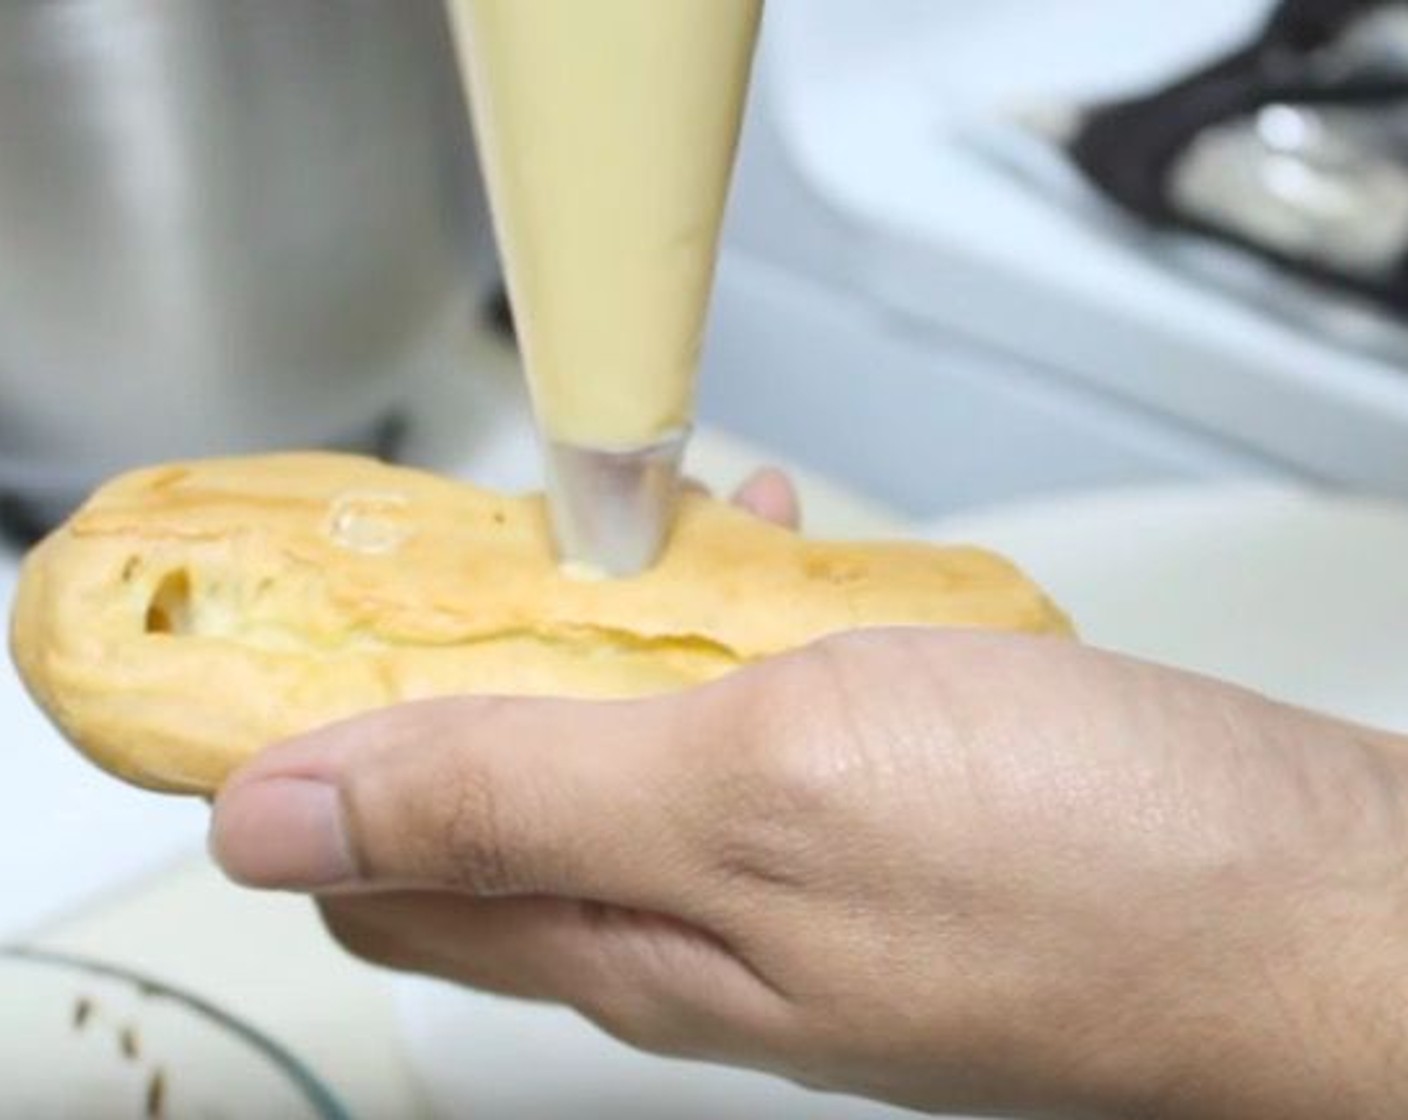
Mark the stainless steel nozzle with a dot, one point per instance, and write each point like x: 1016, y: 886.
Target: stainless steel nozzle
x: 612, y: 509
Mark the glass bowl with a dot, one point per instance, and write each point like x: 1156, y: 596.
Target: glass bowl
x: 83, y: 1039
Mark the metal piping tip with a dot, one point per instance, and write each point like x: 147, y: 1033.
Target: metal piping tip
x: 612, y: 510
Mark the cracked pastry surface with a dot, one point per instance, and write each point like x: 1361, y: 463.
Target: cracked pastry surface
x: 191, y: 614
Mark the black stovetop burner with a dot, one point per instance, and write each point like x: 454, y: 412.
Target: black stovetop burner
x: 1293, y: 148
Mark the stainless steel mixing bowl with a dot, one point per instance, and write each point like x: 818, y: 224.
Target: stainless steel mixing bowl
x: 225, y: 225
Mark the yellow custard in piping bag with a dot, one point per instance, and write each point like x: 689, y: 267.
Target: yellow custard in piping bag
x: 608, y: 131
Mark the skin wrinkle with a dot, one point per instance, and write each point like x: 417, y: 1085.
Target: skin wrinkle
x: 644, y: 983
x: 664, y: 937
x: 477, y: 833
x: 1309, y: 790
x: 851, y: 757
x: 464, y: 801
x: 993, y: 782
x: 354, y: 828
x: 1323, y: 791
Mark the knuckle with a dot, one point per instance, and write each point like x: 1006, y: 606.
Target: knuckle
x: 476, y: 833
x: 784, y: 785
x: 787, y: 716
x: 430, y: 809
x: 825, y: 735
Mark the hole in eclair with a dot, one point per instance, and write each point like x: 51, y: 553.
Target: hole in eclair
x: 169, y: 611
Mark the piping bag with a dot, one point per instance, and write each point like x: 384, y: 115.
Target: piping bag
x: 608, y: 131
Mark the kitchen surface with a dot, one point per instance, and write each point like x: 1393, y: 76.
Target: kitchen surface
x: 924, y: 311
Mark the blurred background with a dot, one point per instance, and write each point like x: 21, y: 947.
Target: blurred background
x: 975, y: 254
x: 921, y: 298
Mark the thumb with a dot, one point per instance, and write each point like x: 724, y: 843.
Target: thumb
x: 490, y: 797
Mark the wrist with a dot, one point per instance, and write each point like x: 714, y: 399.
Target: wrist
x: 1318, y: 1024
x: 1286, y: 992
x: 1355, y: 1008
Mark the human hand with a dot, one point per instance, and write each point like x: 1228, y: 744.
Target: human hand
x: 950, y: 870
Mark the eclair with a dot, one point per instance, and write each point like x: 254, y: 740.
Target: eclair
x: 189, y: 615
